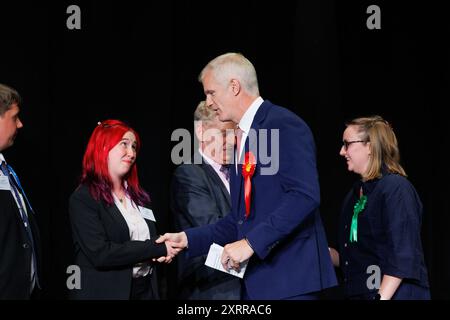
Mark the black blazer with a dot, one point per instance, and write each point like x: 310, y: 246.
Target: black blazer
x: 16, y: 250
x: 199, y: 197
x: 103, y: 249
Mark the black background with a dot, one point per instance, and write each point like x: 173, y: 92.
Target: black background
x: 139, y: 62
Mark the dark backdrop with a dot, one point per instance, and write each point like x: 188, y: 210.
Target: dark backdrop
x: 139, y: 62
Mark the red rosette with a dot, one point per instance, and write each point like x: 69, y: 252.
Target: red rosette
x: 248, y: 169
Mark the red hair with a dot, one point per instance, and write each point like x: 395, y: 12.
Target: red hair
x: 95, y: 163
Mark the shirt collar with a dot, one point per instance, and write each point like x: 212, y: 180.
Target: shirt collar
x: 209, y: 161
x: 369, y: 185
x: 247, y: 119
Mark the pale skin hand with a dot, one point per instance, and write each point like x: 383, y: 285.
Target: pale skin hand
x: 334, y: 256
x: 173, y: 247
x: 175, y: 242
x: 235, y: 253
x: 389, y: 285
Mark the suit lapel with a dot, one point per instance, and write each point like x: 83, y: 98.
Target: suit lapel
x: 117, y: 216
x: 213, y: 174
x: 235, y: 186
x: 17, y: 213
x: 237, y: 193
x: 261, y: 114
x: 151, y: 228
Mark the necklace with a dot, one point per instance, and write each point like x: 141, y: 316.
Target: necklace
x: 121, y: 199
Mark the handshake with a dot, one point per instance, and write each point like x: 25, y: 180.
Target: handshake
x: 175, y: 242
x: 232, y: 256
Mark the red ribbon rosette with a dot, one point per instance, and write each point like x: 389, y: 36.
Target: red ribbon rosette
x: 248, y: 169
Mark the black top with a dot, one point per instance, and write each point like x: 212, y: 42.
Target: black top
x: 388, y: 234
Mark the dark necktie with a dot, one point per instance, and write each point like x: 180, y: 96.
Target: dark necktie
x: 15, y: 186
x: 225, y: 169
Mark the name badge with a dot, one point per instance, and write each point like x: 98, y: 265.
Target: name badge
x: 4, y: 183
x: 147, y: 213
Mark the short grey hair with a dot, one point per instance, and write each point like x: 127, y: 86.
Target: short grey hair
x: 204, y: 113
x: 233, y: 66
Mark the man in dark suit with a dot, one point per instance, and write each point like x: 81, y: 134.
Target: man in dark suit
x: 275, y: 221
x: 19, y: 236
x: 199, y: 196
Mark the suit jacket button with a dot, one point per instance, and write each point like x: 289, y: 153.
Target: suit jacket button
x: 25, y: 245
x: 240, y: 222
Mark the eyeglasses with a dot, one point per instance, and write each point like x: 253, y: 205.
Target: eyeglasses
x: 346, y: 143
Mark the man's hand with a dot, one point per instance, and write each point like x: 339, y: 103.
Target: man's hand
x: 334, y: 256
x: 235, y: 253
x: 175, y: 242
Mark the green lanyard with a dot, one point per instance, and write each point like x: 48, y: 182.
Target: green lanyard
x: 359, y: 206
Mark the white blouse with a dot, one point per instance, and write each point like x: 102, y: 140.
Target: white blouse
x: 138, y: 228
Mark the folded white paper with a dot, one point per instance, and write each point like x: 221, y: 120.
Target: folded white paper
x: 213, y: 261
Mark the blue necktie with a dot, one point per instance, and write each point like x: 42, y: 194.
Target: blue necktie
x: 15, y: 184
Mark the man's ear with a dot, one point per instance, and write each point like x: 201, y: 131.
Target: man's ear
x: 235, y: 86
x: 198, y: 126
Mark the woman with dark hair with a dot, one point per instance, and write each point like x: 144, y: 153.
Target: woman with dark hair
x: 380, y: 250
x: 114, y: 233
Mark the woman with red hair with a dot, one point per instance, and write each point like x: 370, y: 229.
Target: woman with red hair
x: 114, y: 233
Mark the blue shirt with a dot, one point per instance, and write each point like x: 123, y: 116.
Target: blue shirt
x: 388, y: 235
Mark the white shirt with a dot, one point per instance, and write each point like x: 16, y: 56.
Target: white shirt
x: 138, y: 228
x: 216, y: 166
x: 2, y: 158
x: 246, y: 123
